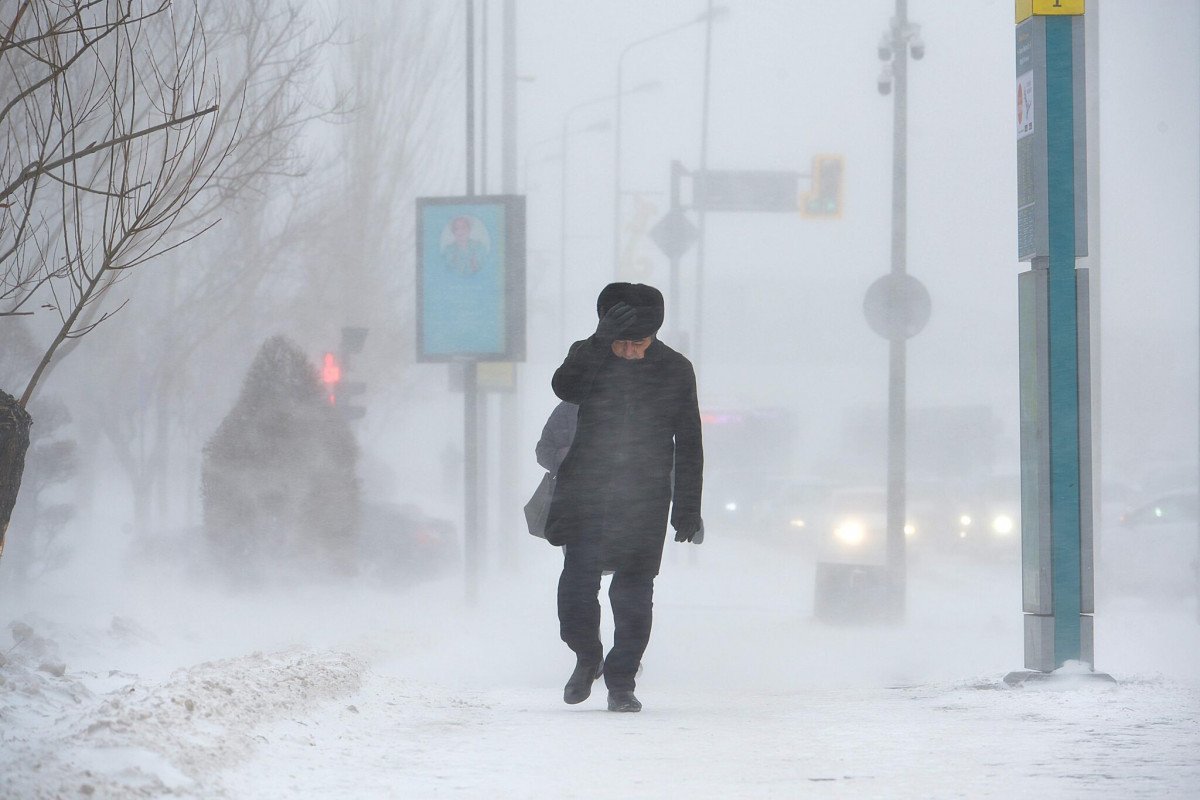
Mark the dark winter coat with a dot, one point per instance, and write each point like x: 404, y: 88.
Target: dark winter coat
x: 637, y: 419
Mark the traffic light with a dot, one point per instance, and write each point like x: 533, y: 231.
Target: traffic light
x: 339, y: 393
x: 331, y: 376
x: 824, y: 199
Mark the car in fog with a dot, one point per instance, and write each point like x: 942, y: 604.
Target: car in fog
x: 980, y: 519
x: 774, y: 509
x: 853, y: 529
x: 978, y: 523
x: 848, y: 524
x: 1154, y: 549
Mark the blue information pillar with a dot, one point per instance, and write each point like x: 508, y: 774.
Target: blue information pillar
x: 1056, y: 491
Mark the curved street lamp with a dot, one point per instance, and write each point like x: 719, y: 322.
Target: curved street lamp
x: 714, y: 14
x: 647, y: 86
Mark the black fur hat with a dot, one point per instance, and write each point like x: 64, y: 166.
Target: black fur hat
x: 647, y: 300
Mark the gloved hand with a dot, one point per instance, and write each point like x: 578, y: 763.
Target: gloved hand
x: 690, y: 530
x: 614, y: 323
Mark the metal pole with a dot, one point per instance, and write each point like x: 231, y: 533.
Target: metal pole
x: 471, y: 542
x: 702, y: 216
x: 562, y: 241
x: 617, y: 191
x: 471, y: 528
x: 676, y: 177
x: 483, y: 103
x: 508, y: 111
x: 617, y: 170
x: 470, y: 97
x: 510, y: 405
x: 897, y: 366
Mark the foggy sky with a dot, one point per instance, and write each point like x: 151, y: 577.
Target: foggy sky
x: 782, y: 319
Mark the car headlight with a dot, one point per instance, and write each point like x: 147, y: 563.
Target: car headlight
x: 850, y: 532
x: 731, y: 506
x: 910, y: 529
x: 1003, y: 524
x: 964, y: 520
x: 798, y: 523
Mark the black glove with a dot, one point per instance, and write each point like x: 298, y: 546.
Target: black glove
x: 614, y: 323
x: 691, y: 530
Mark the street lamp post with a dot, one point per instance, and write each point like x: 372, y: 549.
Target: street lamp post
x: 894, y: 49
x: 562, y: 245
x: 709, y: 15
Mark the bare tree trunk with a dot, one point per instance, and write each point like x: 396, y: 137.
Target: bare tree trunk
x: 14, y: 442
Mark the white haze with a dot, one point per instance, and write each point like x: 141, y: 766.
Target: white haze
x: 782, y: 328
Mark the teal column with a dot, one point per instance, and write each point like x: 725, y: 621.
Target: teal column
x: 1063, y: 341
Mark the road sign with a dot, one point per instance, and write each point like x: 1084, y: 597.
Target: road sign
x: 897, y: 306
x: 674, y: 234
x: 745, y: 190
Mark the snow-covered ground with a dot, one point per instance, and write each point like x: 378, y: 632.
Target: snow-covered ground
x: 181, y: 688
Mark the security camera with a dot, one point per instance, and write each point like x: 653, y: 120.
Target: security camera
x: 918, y: 49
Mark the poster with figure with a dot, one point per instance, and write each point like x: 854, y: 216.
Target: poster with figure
x: 471, y: 278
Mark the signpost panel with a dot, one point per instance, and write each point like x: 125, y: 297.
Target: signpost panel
x: 745, y: 190
x: 471, y: 278
x: 1054, y: 337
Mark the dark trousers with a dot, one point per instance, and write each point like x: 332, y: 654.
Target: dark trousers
x: 632, y: 598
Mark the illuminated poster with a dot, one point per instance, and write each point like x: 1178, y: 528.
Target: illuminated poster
x: 471, y: 278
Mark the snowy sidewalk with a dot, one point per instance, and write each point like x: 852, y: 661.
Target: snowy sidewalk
x: 406, y: 740
x: 171, y: 689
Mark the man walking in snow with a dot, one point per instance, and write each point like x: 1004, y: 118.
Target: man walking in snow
x: 637, y: 453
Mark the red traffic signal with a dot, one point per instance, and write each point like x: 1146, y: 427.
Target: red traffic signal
x: 331, y: 371
x: 331, y: 375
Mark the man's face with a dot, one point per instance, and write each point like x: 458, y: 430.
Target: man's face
x: 631, y: 349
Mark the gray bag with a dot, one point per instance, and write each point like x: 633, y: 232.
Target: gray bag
x: 538, y: 507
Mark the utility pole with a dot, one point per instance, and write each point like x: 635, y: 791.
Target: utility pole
x: 904, y: 299
x: 510, y: 402
x: 472, y: 544
x: 701, y: 216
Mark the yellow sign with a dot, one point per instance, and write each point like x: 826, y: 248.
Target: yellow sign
x: 496, y: 376
x: 1046, y: 8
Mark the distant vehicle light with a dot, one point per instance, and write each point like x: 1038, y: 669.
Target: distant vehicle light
x: 962, y: 534
x: 1003, y: 524
x: 964, y: 520
x: 910, y: 529
x: 851, y: 533
x: 731, y: 506
x: 1158, y: 512
x: 797, y: 523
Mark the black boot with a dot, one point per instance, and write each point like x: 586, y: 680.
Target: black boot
x: 579, y: 686
x: 623, y: 701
